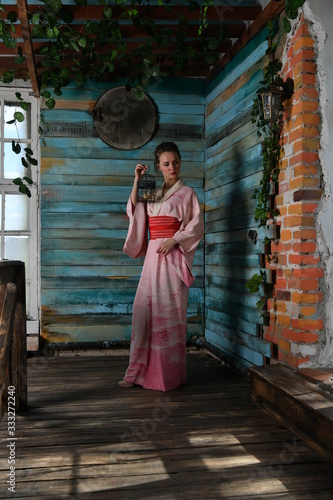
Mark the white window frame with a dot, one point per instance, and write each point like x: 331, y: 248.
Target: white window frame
x: 7, y: 186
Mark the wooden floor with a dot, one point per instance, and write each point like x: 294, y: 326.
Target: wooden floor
x: 85, y: 438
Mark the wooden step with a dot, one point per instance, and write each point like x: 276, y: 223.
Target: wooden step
x: 300, y: 404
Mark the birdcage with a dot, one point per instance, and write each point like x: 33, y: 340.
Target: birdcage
x: 146, y: 188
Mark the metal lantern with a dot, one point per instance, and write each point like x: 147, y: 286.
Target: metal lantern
x: 273, y: 97
x: 146, y: 188
x: 271, y: 104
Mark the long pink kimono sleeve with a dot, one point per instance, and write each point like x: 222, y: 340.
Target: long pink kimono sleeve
x: 137, y: 236
x: 188, y: 237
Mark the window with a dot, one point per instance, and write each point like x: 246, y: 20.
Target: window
x: 19, y: 215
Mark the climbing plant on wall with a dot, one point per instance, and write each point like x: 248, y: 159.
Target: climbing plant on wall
x: 271, y: 143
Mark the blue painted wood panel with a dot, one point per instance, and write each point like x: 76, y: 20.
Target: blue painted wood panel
x: 233, y: 170
x: 88, y: 283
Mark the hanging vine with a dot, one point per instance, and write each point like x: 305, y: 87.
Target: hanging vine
x: 271, y: 144
x: 99, y: 50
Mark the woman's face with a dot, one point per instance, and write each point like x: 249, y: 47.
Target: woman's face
x: 169, y: 165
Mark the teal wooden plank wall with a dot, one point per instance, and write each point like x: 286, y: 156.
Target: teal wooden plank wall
x: 88, y: 283
x: 233, y: 170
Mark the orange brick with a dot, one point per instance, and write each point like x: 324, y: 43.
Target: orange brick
x: 298, y: 220
x: 285, y: 235
x: 308, y: 272
x: 303, y: 182
x: 304, y: 247
x: 306, y: 298
x: 283, y: 211
x: 310, y: 132
x: 300, y: 170
x: 296, y: 59
x: 305, y: 41
x: 303, y: 93
x: 294, y: 284
x: 290, y: 359
x: 310, y: 284
x: 305, y: 67
x: 303, y: 260
x: 279, y: 273
x: 305, y: 234
x: 271, y: 337
x: 310, y: 208
x: 281, y: 283
x: 306, y: 145
x: 288, y: 273
x: 302, y: 30
x: 298, y: 337
x: 308, y: 311
x: 295, y: 209
x: 282, y: 259
x: 304, y: 107
x: 303, y: 157
x: 280, y: 307
x: 284, y: 345
x: 307, y: 119
x: 296, y: 134
x: 309, y: 324
x: 279, y: 200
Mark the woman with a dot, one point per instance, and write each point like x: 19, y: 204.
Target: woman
x: 158, y: 342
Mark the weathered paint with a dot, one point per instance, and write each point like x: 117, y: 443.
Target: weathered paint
x: 233, y: 170
x: 320, y: 15
x: 88, y: 283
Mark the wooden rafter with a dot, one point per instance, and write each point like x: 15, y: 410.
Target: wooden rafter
x: 272, y: 10
x: 22, y: 8
x: 241, y: 23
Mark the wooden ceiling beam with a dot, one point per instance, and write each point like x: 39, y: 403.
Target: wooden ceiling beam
x: 28, y: 49
x: 216, y: 13
x: 271, y: 11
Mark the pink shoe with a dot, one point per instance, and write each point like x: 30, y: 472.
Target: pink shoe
x: 124, y: 384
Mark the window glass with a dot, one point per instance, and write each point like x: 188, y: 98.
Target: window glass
x: 12, y: 163
x: 17, y: 130
x: 16, y: 212
x: 17, y: 248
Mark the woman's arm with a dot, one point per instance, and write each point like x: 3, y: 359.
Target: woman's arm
x: 139, y: 171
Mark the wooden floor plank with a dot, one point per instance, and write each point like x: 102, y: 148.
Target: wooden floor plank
x: 85, y: 438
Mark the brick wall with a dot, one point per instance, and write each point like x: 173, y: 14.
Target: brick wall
x: 295, y: 323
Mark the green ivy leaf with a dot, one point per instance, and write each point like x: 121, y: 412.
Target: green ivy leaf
x: 17, y: 181
x: 19, y: 116
x: 35, y: 18
x: 28, y: 151
x: 286, y: 25
x: 33, y: 161
x: 25, y: 190
x: 50, y: 103
x: 12, y: 16
x: 24, y: 162
x: 8, y: 76
x: 16, y: 148
x: 28, y: 180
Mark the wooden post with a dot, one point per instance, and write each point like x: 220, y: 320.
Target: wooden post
x: 13, y: 344
x: 19, y: 342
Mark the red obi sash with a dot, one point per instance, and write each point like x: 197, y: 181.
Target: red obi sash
x: 163, y: 226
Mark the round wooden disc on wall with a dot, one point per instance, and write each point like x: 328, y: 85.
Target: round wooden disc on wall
x: 122, y: 121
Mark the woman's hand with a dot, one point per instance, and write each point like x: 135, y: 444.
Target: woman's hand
x: 140, y: 170
x: 166, y: 246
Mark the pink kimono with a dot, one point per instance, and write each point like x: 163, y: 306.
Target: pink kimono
x: 159, y: 325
